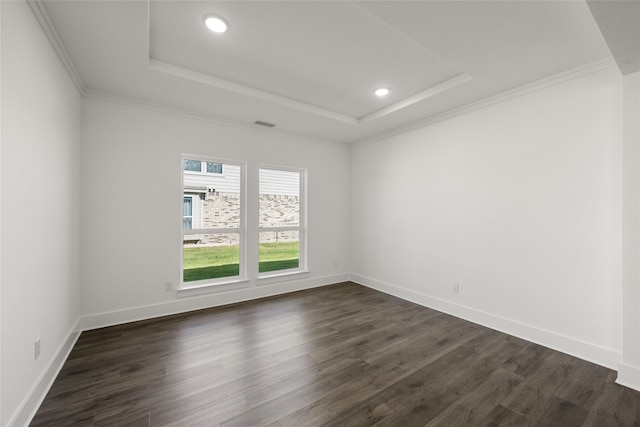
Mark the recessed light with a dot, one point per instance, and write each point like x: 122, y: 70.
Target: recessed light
x: 383, y: 91
x: 215, y: 23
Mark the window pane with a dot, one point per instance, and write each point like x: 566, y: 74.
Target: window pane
x: 217, y: 199
x: 187, y: 223
x: 279, y: 250
x: 187, y: 213
x: 193, y: 165
x: 210, y: 256
x: 214, y: 167
x: 279, y: 198
x: 187, y: 206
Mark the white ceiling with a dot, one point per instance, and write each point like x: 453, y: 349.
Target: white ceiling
x: 311, y: 67
x: 619, y: 22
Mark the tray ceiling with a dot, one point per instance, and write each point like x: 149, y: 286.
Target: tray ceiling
x: 327, y: 55
x: 311, y: 67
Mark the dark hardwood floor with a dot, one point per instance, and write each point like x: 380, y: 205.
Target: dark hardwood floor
x: 341, y: 355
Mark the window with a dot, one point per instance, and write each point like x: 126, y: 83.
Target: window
x: 213, y: 222
x: 202, y: 166
x: 282, y: 225
x: 187, y: 212
x: 192, y: 165
x: 214, y: 167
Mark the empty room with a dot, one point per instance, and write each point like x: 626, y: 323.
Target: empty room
x: 319, y: 213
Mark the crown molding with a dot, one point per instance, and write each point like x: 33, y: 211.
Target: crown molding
x: 564, y: 76
x: 39, y: 11
x: 41, y: 15
x: 210, y: 80
x: 434, y: 90
x: 209, y: 118
x: 221, y: 83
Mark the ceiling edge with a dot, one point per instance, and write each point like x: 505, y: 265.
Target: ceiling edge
x: 209, y: 118
x: 420, y: 96
x: 210, y: 80
x: 618, y: 23
x: 403, y: 34
x: 38, y: 10
x: 564, y: 76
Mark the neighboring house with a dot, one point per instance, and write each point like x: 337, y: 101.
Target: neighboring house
x: 211, y: 194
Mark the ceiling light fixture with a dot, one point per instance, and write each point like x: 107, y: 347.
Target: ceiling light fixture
x: 215, y: 23
x: 383, y: 91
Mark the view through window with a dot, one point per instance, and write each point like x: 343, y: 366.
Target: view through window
x: 281, y: 221
x: 212, y: 220
x: 213, y: 228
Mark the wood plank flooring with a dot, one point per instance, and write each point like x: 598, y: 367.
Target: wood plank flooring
x: 341, y: 355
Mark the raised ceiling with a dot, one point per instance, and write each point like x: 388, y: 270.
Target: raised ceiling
x: 311, y: 67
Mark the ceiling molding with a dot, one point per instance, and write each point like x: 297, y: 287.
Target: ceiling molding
x: 209, y: 118
x: 564, y: 76
x: 218, y: 82
x: 41, y: 15
x: 434, y: 90
x: 38, y: 10
x: 210, y: 80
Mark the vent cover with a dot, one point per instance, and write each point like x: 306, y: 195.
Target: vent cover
x: 261, y: 123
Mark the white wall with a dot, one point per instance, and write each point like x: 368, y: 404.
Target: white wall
x: 131, y: 204
x: 40, y: 210
x: 629, y: 369
x: 1, y: 136
x: 518, y: 202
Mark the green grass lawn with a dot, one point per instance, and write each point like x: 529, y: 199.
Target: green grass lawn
x: 223, y: 261
x: 278, y: 256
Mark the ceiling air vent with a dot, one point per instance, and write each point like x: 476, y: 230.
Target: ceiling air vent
x: 261, y: 123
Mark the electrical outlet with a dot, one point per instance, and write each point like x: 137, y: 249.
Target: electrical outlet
x: 168, y: 285
x: 455, y: 288
x: 37, y: 348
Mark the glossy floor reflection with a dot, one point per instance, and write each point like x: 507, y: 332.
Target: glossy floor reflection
x: 337, y: 355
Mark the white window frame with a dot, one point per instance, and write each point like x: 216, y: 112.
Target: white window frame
x: 302, y: 223
x: 241, y: 230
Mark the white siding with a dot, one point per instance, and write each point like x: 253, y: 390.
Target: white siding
x: 228, y: 182
x: 277, y: 182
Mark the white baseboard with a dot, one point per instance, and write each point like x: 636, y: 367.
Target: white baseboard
x: 29, y: 406
x: 208, y: 300
x: 629, y: 376
x: 38, y: 392
x: 583, y: 350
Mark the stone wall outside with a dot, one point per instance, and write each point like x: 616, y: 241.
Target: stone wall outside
x: 220, y: 210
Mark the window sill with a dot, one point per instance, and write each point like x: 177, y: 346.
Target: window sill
x: 208, y: 288
x: 273, y: 277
